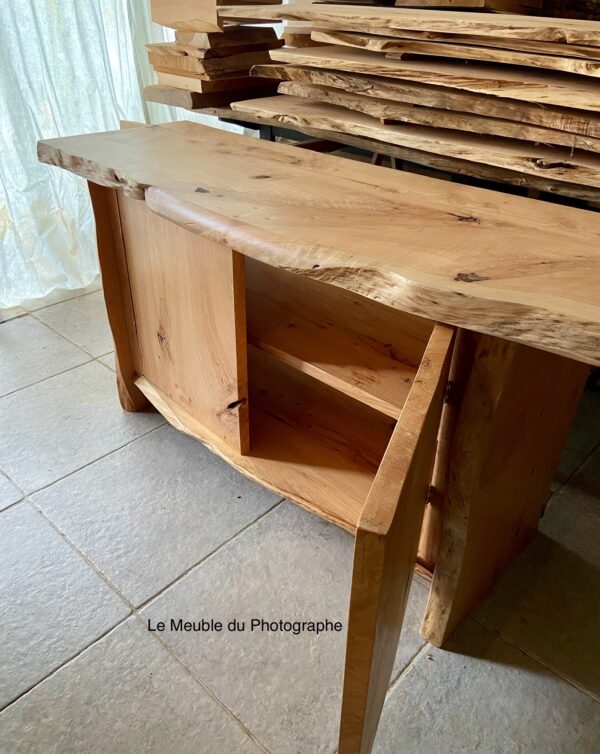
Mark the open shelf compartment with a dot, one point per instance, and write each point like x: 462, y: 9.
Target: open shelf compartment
x: 366, y: 350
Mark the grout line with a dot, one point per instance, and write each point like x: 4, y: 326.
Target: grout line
x: 574, y: 473
x: 62, y: 335
x: 205, y: 688
x: 12, y: 481
x: 65, y: 300
x: 408, y: 667
x: 98, y: 458
x: 106, y: 366
x: 540, y: 661
x: 134, y: 611
x: 12, y: 505
x: 50, y: 376
x: 203, y: 560
x: 71, y: 659
x: 81, y: 554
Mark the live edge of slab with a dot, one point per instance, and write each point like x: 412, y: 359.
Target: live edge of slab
x: 506, y: 266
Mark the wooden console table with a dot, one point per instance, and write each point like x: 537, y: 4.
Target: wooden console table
x: 378, y: 347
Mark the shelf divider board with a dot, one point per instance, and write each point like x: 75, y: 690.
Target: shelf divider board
x: 188, y: 302
x: 363, y: 349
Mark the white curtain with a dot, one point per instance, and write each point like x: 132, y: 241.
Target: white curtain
x: 66, y: 67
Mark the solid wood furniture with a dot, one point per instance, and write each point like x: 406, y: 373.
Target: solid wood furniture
x: 382, y: 348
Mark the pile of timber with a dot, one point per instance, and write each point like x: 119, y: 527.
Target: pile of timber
x: 503, y: 97
x: 208, y: 64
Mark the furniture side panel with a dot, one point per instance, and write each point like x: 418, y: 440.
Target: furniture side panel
x: 188, y: 301
x: 117, y: 295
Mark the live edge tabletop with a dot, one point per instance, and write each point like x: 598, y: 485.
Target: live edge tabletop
x: 401, y: 355
x: 512, y: 267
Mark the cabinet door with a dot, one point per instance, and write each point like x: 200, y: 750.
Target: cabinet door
x: 387, y: 537
x: 187, y: 296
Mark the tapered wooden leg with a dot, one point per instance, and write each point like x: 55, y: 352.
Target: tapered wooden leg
x: 515, y: 407
x: 115, y: 282
x: 386, y: 548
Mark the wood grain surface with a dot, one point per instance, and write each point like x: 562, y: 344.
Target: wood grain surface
x: 360, y: 18
x: 400, y: 48
x: 561, y: 119
x: 391, y: 111
x: 507, y: 266
x: 560, y: 164
x: 544, y: 87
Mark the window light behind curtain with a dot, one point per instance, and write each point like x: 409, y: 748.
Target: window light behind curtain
x: 66, y: 67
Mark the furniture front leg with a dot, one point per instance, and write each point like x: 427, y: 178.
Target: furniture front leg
x: 115, y: 283
x: 386, y: 548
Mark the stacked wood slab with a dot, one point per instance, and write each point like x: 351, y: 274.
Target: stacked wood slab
x: 208, y: 63
x: 506, y: 97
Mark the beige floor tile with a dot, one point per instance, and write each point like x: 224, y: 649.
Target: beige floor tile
x: 52, y: 604
x: 53, y: 428
x: 285, y: 688
x: 584, y: 437
x: 82, y: 320
x: 484, y: 695
x: 59, y: 295
x: 410, y: 641
x: 11, y: 313
x: 547, y: 602
x: 587, y: 479
x: 31, y: 352
x: 148, y: 512
x: 9, y: 494
x: 124, y: 695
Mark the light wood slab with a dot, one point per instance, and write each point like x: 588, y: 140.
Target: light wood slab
x: 188, y: 100
x: 359, y: 18
x: 384, y: 36
x: 195, y: 83
x: 390, y: 111
x: 209, y: 68
x: 438, y: 162
x: 544, y: 87
x: 175, y: 48
x: 561, y: 119
x: 195, y: 15
x: 186, y: 15
x: 524, y: 157
x: 508, y: 266
x: 401, y: 48
x: 522, y: 45
x: 234, y: 36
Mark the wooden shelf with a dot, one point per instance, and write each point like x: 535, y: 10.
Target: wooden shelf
x: 363, y: 349
x: 308, y: 442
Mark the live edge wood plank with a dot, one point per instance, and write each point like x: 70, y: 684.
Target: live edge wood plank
x: 390, y: 111
x: 544, y: 87
x: 519, y: 156
x: 399, y: 48
x: 358, y: 18
x: 506, y: 44
x: 409, y: 92
x: 498, y: 264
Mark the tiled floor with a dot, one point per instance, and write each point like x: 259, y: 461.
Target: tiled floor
x: 113, y: 522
